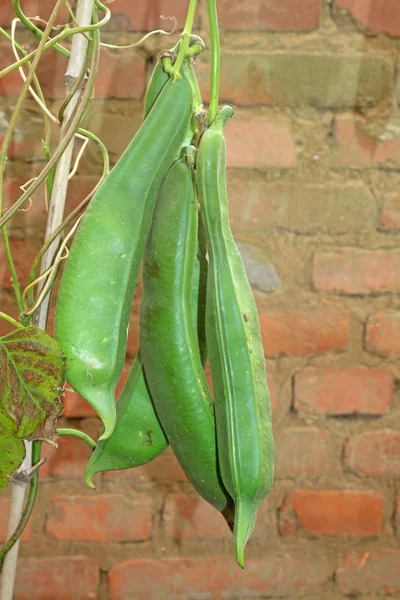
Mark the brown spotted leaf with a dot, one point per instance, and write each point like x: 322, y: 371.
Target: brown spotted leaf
x: 31, y: 381
x: 12, y: 449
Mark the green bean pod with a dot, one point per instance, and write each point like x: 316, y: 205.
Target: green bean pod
x: 241, y: 397
x: 138, y: 436
x: 168, y: 337
x: 159, y: 76
x: 99, y: 278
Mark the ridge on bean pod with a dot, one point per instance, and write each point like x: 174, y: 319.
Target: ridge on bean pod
x: 168, y: 338
x: 241, y: 397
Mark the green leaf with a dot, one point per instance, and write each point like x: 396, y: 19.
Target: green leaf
x: 31, y: 381
x: 12, y: 449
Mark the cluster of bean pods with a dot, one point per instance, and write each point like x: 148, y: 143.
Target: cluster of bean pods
x: 197, y: 305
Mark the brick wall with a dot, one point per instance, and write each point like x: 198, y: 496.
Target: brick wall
x: 314, y: 156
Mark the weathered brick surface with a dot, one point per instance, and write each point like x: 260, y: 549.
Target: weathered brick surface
x: 332, y: 513
x: 43, y: 8
x: 120, y: 75
x: 298, y: 333
x: 144, y: 16
x: 23, y: 255
x: 301, y: 453
x: 358, y: 150
x: 369, y: 573
x: 258, y: 143
x: 261, y: 274
x: 163, y: 468
x: 60, y: 578
x: 397, y: 517
x: 67, y: 461
x: 383, y: 333
x: 259, y: 206
x: 288, y: 79
x: 270, y: 16
x: 190, y: 517
x: 343, y: 391
x: 145, y: 579
x: 374, y: 454
x: 11, y: 84
x: 390, y: 215
x: 103, y: 518
x: 357, y: 272
x: 379, y: 16
x: 313, y: 153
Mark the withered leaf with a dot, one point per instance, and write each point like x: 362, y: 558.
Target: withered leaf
x: 31, y: 381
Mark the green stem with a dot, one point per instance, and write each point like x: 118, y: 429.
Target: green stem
x: 61, y: 36
x: 47, y: 136
x: 215, y: 60
x: 30, y: 503
x: 7, y: 140
x: 72, y: 129
x: 68, y: 219
x: 11, y: 320
x: 14, y: 276
x: 77, y: 434
x: 32, y: 27
x: 185, y: 38
x: 24, y: 91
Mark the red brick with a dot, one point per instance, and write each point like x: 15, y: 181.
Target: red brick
x: 79, y: 187
x: 67, y: 461
x: 379, y: 16
x: 299, y: 333
x: 383, y: 333
x: 120, y: 75
x: 104, y: 518
x: 374, y: 454
x: 189, y: 517
x: 332, y: 513
x: 60, y: 578
x: 144, y: 16
x: 288, y: 79
x: 9, y: 308
x: 11, y: 84
x: 369, y: 573
x: 258, y: 206
x: 258, y: 143
x: 269, y: 16
x: 32, y: 8
x: 216, y: 577
x: 163, y: 468
x: 4, y: 511
x: 357, y: 150
x: 33, y: 214
x: 343, y: 391
x: 23, y: 254
x: 300, y: 452
x: 25, y: 144
x: 111, y: 81
x: 390, y: 215
x: 75, y: 405
x: 357, y: 272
